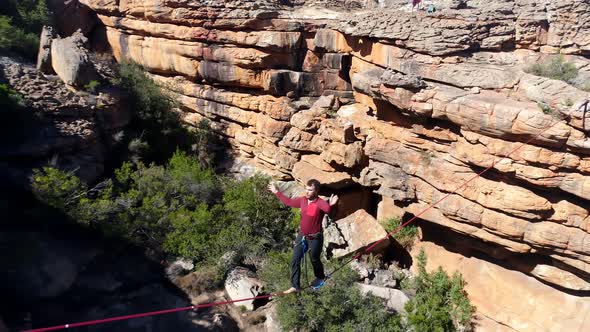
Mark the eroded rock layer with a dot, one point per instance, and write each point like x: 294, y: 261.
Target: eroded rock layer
x: 407, y: 104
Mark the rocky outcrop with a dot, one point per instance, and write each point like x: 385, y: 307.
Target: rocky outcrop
x: 70, y: 60
x: 396, y: 299
x: 241, y: 283
x: 72, y: 129
x: 421, y: 104
x: 44, y: 56
x: 353, y: 233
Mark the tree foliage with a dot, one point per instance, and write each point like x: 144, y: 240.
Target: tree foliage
x: 338, y: 306
x: 20, y: 25
x: 180, y: 208
x: 56, y: 188
x: 156, y: 130
x: 10, y: 100
x: 406, y: 236
x: 441, y: 303
x: 255, y: 214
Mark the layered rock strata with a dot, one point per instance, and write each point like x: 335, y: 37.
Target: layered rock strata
x: 407, y: 104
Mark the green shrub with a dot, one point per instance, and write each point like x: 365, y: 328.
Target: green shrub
x: 180, y: 208
x: 426, y: 157
x: 338, y: 306
x: 92, y: 86
x: 556, y: 68
x: 10, y: 100
x: 206, y: 144
x: 257, y: 212
x: 585, y: 86
x: 405, y: 236
x: 441, y: 303
x: 275, y: 271
x: 550, y: 111
x: 190, y: 235
x: 15, y: 39
x: 545, y: 108
x: 56, y: 188
x: 20, y: 25
x: 143, y: 204
x: 32, y: 15
x: 154, y: 121
x: 156, y: 195
x: 149, y: 101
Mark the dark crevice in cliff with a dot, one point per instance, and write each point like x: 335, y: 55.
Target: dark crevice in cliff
x: 549, y: 193
x: 244, y: 24
x: 352, y: 198
x: 504, y: 325
x: 391, y: 114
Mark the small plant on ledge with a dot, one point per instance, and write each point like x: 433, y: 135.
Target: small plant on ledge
x: 405, y: 236
x: 92, y: 86
x: 556, y: 68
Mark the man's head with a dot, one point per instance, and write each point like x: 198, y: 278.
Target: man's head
x: 312, y: 189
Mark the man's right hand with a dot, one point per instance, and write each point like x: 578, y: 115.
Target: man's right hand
x: 273, y: 189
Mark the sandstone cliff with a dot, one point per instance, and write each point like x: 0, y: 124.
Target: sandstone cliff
x: 412, y: 105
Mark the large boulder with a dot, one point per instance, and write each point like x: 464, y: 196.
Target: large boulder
x: 242, y: 283
x: 396, y: 299
x: 353, y: 233
x: 69, y: 59
x: 216, y: 322
x: 179, y: 267
x: 383, y: 278
x: 272, y: 323
x: 44, y: 56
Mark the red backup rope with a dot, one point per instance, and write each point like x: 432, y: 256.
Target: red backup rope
x: 145, y: 314
x: 366, y: 251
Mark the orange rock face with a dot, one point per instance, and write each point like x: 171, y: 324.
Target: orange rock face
x: 505, y: 297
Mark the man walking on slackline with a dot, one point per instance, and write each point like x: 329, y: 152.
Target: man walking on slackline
x: 313, y: 209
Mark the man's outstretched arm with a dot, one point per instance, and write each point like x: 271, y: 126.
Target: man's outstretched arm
x: 326, y: 207
x: 292, y: 202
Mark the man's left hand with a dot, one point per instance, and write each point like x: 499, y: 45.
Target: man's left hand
x: 333, y: 200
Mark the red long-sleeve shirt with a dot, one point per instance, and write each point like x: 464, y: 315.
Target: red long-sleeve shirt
x: 312, y: 212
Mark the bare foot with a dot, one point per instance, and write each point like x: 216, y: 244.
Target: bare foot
x: 290, y: 290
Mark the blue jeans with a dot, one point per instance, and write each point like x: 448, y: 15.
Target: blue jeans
x: 315, y: 250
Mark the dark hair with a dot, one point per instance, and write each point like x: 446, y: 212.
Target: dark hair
x: 314, y: 183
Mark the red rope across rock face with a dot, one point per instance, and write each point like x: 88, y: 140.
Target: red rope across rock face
x: 366, y: 251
